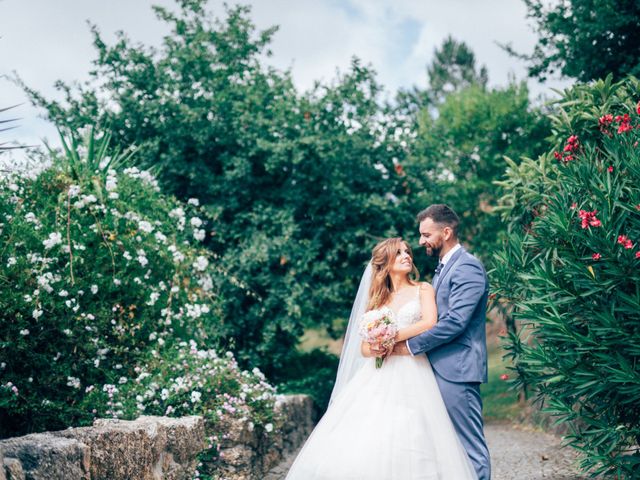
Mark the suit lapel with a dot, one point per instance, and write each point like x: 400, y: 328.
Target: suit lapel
x: 452, y: 261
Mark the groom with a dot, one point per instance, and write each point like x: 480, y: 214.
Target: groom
x: 456, y: 345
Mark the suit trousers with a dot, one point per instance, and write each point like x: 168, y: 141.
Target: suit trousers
x: 464, y: 405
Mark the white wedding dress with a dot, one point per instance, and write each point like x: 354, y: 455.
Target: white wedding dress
x: 386, y: 424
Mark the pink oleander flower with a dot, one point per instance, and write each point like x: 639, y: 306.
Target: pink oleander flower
x: 605, y: 120
x: 625, y: 123
x: 378, y: 329
x: 596, y: 256
x: 589, y: 219
x: 625, y: 241
x: 570, y: 148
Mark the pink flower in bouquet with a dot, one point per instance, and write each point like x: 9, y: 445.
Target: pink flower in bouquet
x: 378, y: 329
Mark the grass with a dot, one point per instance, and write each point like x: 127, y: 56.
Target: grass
x: 499, y: 402
x: 319, y: 338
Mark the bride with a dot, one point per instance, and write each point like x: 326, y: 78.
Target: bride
x: 388, y: 423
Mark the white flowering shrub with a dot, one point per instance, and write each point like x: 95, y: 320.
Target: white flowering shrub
x: 98, y: 269
x: 185, y: 380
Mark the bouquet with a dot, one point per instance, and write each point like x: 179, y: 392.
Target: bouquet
x: 378, y: 329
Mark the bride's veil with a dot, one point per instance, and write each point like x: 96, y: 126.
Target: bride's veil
x: 351, y: 358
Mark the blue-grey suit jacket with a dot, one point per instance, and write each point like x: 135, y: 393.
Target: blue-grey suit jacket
x: 457, y: 344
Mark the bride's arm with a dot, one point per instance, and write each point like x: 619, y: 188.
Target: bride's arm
x: 429, y: 315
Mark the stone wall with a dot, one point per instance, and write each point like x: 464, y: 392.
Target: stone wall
x: 154, y: 448
x: 148, y: 448
x: 248, y: 453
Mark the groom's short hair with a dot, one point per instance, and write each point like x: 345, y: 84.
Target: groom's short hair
x: 441, y: 214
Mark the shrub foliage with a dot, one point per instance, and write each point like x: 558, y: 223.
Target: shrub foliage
x: 98, y: 269
x: 571, y: 272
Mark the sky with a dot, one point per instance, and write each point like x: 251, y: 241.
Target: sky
x: 43, y: 41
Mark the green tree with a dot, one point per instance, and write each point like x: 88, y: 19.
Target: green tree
x: 570, y: 272
x: 299, y: 186
x: 453, y: 68
x: 584, y: 39
x: 460, y: 151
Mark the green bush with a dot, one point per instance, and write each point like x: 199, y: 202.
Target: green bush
x: 184, y: 380
x: 571, y: 273
x: 98, y: 268
x: 312, y: 373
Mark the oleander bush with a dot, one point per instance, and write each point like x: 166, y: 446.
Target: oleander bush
x: 98, y: 269
x: 570, y: 271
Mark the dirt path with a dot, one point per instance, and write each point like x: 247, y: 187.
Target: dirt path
x: 517, y: 452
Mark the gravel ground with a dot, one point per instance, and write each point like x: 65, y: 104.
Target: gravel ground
x: 521, y: 452
x: 517, y: 452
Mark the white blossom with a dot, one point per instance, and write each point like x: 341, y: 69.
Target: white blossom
x: 145, y: 226
x: 178, y: 256
x: 54, y: 239
x: 111, y: 184
x: 206, y: 282
x: 142, y: 259
x: 201, y: 263
x: 74, y: 190
x: 73, y: 382
x: 153, y: 298
x: 176, y: 213
x: 199, y: 234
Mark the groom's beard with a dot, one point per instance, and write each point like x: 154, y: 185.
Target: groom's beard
x: 434, y: 251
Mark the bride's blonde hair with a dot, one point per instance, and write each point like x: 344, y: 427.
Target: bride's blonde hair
x: 382, y: 258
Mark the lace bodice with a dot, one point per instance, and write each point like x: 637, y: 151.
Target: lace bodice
x: 409, y: 313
